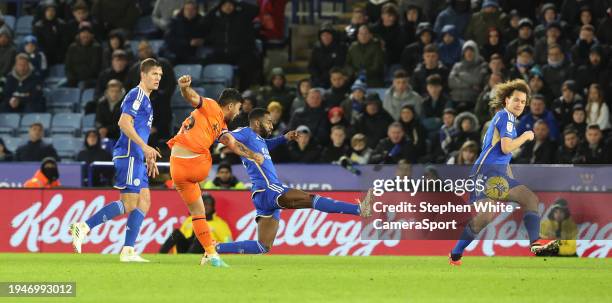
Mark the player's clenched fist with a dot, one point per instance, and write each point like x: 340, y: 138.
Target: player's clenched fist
x: 528, y: 135
x: 184, y: 81
x: 291, y: 135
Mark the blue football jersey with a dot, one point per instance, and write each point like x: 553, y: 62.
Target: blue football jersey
x: 137, y: 105
x: 261, y: 175
x: 502, y: 125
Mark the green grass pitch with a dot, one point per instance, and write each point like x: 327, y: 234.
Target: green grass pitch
x: 273, y: 278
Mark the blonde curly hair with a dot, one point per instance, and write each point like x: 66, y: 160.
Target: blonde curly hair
x: 506, y: 89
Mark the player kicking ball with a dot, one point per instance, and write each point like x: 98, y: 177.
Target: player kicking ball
x: 269, y: 195
x: 131, y: 173
x: 190, y: 159
x: 493, y: 167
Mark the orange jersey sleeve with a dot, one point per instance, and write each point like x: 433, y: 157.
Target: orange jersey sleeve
x: 203, y: 126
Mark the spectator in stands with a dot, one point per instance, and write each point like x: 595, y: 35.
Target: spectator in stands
x: 467, y: 127
x: 412, y: 16
x: 537, y: 111
x: 223, y: 180
x: 116, y: 41
x: 91, y: 149
x: 413, y: 53
x: 163, y: 12
x: 83, y: 59
x: 413, y: 129
x: 35, y: 149
x: 596, y: 109
x: 301, y: 91
x: 222, y: 154
x: 560, y: 225
x: 360, y: 152
x: 160, y: 99
x: 118, y: 71
x: 354, y: 105
x: 400, y: 94
x: 511, y: 31
x: 448, y: 130
x: 580, y: 51
x: 563, y: 106
x: 456, y: 13
x: 304, y: 149
x: 482, y: 109
x: 489, y: 16
x: 570, y: 152
x: 390, y: 33
x: 585, y: 17
x: 374, y: 121
x: 277, y: 90
x: 109, y: 110
x: 466, y: 155
x: 112, y: 14
x: 185, y: 35
x: 232, y: 37
x: 335, y: 115
x: 394, y: 148
x: 366, y: 59
x: 5, y: 154
x: 538, y: 86
x: 272, y: 19
x: 37, y: 57
x: 7, y: 51
x: 276, y: 114
x: 435, y: 100
x: 50, y: 34
x: 604, y: 31
x: 248, y: 104
x: 525, y: 37
x: 314, y: 116
x: 450, y: 46
x: 358, y: 18
x: 338, y: 147
x: 578, y: 120
x: 23, y: 88
x: 553, y: 36
x: 523, y: 63
x: 466, y: 77
x: 46, y: 177
x: 339, y: 90
x: 81, y: 17
x: 548, y: 16
x: 328, y: 52
x: 374, y: 8
x: 557, y: 69
x: 494, y: 45
x: 595, y: 71
x: 596, y: 150
x: 541, y: 150
x: 431, y: 65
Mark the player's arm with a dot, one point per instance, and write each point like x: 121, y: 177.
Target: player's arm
x: 276, y: 141
x: 505, y: 129
x: 240, y: 149
x: 126, y: 124
x: 188, y: 93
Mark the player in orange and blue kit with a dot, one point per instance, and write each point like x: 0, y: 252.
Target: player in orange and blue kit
x: 493, y: 170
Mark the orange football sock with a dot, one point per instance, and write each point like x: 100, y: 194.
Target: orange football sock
x: 202, y: 231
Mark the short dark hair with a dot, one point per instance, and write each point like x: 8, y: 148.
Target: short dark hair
x: 38, y: 124
x: 430, y: 48
x: 570, y: 130
x: 229, y: 96
x: 258, y: 113
x: 400, y: 73
x: 337, y: 70
x: 338, y: 127
x: 594, y: 126
x: 434, y: 79
x: 148, y: 64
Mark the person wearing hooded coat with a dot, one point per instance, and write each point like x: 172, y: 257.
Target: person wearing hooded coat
x: 465, y: 132
x: 456, y: 13
x: 328, y: 52
x: 374, y: 121
x: 45, y: 177
x: 466, y: 77
x: 450, y: 52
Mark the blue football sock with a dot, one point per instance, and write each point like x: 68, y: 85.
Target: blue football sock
x: 467, y: 236
x: 133, y: 226
x: 329, y: 205
x: 532, y: 223
x: 241, y: 247
x: 108, y: 212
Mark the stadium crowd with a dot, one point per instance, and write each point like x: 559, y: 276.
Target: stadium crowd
x: 406, y: 81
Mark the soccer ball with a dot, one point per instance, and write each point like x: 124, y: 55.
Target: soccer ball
x: 497, y: 188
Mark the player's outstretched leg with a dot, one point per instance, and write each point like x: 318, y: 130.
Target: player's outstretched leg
x: 138, y: 207
x: 79, y: 230
x: 296, y: 199
x: 266, y: 233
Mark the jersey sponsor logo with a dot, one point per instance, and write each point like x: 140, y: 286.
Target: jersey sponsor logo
x: 509, y: 126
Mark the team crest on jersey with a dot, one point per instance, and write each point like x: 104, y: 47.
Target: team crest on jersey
x: 509, y: 126
x: 136, y: 182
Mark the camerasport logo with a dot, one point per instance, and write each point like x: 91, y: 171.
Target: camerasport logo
x: 38, y: 225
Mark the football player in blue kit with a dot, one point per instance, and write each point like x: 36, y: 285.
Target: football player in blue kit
x: 493, y: 168
x: 134, y: 161
x: 269, y: 195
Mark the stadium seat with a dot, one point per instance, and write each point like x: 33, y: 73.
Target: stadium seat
x: 24, y: 25
x: 9, y: 122
x: 10, y: 21
x: 29, y: 119
x: 66, y: 123
x: 193, y: 70
x: 179, y: 116
x: 57, y: 75
x: 144, y: 27
x: 89, y: 122
x: 86, y: 96
x: 67, y: 147
x: 179, y: 102
x: 213, y: 89
x: 63, y: 99
x: 218, y: 73
x: 12, y: 143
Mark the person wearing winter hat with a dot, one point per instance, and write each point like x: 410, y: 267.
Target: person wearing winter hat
x: 560, y: 225
x: 45, y: 177
x: 353, y: 106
